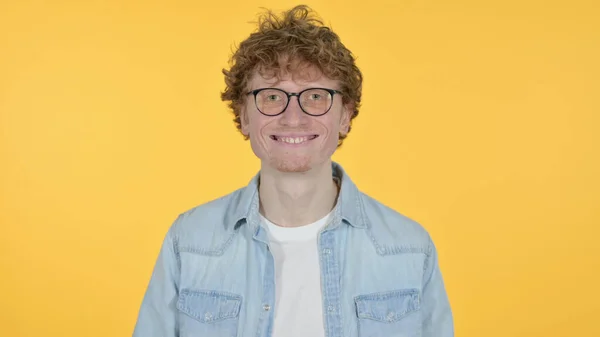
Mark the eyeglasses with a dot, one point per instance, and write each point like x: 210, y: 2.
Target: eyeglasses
x: 274, y: 101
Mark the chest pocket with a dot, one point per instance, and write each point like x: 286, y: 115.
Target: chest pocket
x: 208, y: 313
x: 391, y: 314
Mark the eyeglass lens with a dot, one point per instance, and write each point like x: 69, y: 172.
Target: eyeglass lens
x: 313, y: 101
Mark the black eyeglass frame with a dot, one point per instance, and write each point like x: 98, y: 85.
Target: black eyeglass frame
x: 289, y: 95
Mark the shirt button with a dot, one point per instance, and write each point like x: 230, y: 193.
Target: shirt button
x: 330, y: 308
x: 208, y: 316
x: 326, y: 251
x: 266, y: 307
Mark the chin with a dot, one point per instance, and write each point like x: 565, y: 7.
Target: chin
x: 289, y: 165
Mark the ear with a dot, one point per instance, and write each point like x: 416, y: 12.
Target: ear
x: 244, y: 121
x: 346, y: 117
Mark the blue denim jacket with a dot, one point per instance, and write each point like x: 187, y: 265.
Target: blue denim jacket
x: 215, y: 275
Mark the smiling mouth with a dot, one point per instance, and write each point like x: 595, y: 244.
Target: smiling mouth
x: 293, y: 140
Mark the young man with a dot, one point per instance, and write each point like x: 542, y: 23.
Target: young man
x: 300, y: 251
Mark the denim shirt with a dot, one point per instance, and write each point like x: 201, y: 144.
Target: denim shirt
x: 215, y: 274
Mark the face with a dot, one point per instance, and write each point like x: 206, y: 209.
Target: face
x: 294, y: 141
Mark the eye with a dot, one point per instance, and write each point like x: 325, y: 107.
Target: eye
x: 315, y: 97
x: 273, y: 98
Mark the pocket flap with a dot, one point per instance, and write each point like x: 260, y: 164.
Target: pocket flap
x: 209, y: 306
x: 389, y: 306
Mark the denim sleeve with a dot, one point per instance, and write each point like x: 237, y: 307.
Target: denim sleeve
x: 158, y: 313
x: 437, y: 314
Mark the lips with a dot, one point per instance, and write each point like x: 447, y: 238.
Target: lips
x: 293, y: 140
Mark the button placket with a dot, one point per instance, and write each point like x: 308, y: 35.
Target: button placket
x: 330, y: 282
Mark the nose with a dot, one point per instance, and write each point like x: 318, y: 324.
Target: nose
x: 293, y: 114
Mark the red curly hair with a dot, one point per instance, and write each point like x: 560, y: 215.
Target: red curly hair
x: 297, y: 36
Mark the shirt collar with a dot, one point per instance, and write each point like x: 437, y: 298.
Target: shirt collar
x: 245, y: 204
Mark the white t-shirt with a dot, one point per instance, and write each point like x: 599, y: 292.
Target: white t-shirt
x: 298, y: 303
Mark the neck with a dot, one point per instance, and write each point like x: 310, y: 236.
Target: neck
x: 297, y: 199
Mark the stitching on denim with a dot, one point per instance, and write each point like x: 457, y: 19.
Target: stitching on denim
x: 385, y: 295
x: 394, y: 250
x: 233, y: 313
x: 370, y: 234
x: 397, y: 317
x: 330, y: 270
x: 210, y: 252
x: 413, y: 306
x: 428, y: 258
x: 361, y: 208
x: 176, y: 251
x: 404, y: 249
x: 212, y: 293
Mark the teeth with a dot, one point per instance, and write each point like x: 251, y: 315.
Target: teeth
x: 291, y: 140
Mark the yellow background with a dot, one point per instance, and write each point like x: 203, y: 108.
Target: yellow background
x: 480, y: 120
